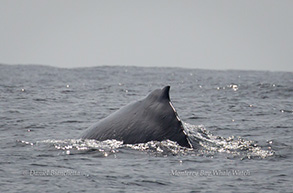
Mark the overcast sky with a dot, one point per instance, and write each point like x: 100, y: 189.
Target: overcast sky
x: 227, y: 34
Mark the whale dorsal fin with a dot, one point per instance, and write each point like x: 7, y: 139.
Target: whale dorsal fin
x: 165, y: 93
x: 160, y: 94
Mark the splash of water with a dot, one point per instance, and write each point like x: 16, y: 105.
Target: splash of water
x: 211, y: 144
x: 166, y: 147
x: 73, y: 146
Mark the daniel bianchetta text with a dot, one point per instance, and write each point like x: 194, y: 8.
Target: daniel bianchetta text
x: 210, y: 173
x: 52, y: 173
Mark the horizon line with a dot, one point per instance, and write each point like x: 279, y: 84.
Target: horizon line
x: 138, y: 66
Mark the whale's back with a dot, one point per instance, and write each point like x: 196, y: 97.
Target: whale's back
x: 150, y: 119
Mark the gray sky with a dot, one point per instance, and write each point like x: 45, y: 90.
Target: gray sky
x: 227, y: 34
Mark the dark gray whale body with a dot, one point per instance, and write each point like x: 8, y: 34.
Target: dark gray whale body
x: 150, y: 119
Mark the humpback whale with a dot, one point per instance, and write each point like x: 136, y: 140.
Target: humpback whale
x: 152, y: 118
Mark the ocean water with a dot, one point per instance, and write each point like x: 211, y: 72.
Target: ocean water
x: 243, y: 121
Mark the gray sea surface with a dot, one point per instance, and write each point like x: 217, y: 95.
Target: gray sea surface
x: 243, y: 121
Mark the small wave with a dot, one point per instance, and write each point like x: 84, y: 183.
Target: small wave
x: 286, y: 111
x: 40, y: 99
x: 24, y: 142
